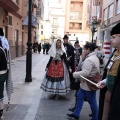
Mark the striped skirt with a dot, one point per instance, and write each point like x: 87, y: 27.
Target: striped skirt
x: 57, y: 85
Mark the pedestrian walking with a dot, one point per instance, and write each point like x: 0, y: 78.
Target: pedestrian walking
x: 100, y: 55
x: 47, y: 47
x: 56, y: 81
x: 89, y: 67
x: 44, y: 48
x: 5, y: 70
x: 109, y: 101
x: 35, y: 46
x: 39, y: 48
x: 78, y: 52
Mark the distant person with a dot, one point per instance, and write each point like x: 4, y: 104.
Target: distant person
x: 100, y: 55
x: 57, y: 80
x: 78, y: 52
x: 47, y: 47
x: 39, y: 48
x: 5, y: 70
x: 70, y: 57
x: 44, y: 48
x: 35, y: 46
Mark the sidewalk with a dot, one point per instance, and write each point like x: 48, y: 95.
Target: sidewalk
x: 28, y: 102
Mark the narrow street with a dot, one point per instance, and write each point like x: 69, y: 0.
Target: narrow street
x: 28, y: 102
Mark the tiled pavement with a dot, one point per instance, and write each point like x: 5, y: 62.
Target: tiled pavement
x: 28, y: 102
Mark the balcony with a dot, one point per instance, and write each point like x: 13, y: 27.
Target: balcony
x: 9, y: 5
x: 76, y: 6
x: 55, y: 25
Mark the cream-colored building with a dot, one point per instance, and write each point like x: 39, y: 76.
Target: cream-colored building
x: 76, y: 21
x: 54, y: 19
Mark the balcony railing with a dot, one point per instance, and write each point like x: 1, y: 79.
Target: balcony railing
x: 55, y: 25
x: 75, y: 18
x: 38, y: 13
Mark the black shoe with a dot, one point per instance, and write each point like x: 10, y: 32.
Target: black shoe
x: 73, y: 116
x: 71, y: 109
x: 90, y: 115
x: 1, y: 114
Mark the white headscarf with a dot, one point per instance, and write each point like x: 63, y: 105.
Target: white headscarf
x: 52, y: 51
x: 4, y: 43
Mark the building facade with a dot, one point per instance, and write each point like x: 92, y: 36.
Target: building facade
x: 110, y: 17
x: 12, y: 15
x: 94, y: 11
x: 40, y: 18
x: 76, y: 21
x: 54, y: 21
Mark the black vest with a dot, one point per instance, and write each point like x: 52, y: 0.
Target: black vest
x: 3, y: 59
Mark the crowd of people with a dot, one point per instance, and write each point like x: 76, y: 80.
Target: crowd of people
x: 75, y: 68
x: 82, y: 68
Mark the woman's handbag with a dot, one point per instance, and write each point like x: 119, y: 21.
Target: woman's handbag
x: 96, y: 78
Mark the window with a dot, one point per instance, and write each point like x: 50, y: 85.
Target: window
x: 95, y: 3
x: 75, y: 26
x: 110, y: 8
x: 105, y: 14
x: 41, y: 32
x: 118, y: 7
x: 10, y: 20
x: 41, y: 26
x: 76, y: 5
x: 55, y: 20
x: 38, y: 8
x: 75, y: 15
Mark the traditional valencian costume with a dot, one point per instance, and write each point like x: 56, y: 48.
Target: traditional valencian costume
x: 56, y: 80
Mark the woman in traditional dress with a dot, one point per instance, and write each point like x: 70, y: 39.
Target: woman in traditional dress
x: 57, y: 81
x: 5, y: 70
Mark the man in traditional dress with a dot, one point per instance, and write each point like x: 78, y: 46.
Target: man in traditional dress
x: 70, y: 57
x: 109, y: 102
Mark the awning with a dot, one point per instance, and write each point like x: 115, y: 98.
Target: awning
x: 33, y: 21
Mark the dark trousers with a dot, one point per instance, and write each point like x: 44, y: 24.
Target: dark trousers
x: 43, y: 50
x: 3, y: 78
